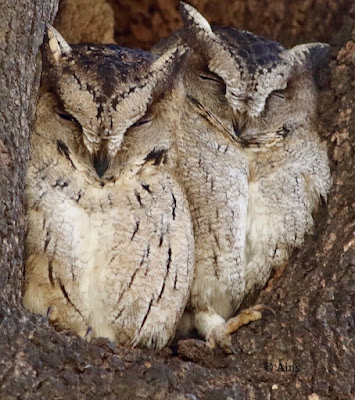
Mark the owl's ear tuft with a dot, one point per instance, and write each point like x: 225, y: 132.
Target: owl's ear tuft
x: 310, y: 54
x: 57, y: 46
x: 168, y: 60
x: 192, y: 19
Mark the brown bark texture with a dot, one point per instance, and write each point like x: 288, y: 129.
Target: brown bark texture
x: 86, y: 21
x: 306, y: 350
x: 21, y: 33
x: 142, y: 22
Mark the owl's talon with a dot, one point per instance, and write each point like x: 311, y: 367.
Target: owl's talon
x: 261, y: 307
x: 230, y: 349
x: 88, y: 334
x: 221, y: 337
x: 49, y: 311
x: 222, y: 340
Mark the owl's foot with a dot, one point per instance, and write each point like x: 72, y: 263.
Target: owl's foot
x: 222, y: 335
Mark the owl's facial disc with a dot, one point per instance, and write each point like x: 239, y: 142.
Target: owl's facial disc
x: 106, y: 90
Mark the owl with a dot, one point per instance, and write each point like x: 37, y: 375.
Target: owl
x: 110, y: 246
x: 264, y: 97
x: 214, y: 173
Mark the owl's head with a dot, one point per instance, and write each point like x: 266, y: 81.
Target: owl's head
x: 104, y: 90
x: 269, y: 89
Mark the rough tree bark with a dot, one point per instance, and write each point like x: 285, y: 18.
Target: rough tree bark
x: 313, y: 300
x: 143, y: 22
x: 86, y: 21
x: 21, y: 32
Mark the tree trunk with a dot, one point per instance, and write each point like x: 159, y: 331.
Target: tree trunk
x: 306, y: 350
x: 143, y: 22
x: 22, y: 26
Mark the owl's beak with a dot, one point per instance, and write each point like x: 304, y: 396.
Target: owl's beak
x: 100, y: 163
x: 238, y: 130
x: 239, y: 122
